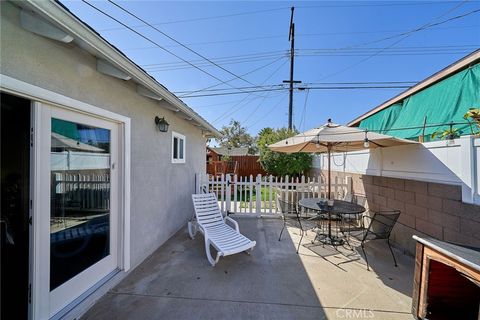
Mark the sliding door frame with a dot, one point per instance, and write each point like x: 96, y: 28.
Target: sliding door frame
x: 40, y: 202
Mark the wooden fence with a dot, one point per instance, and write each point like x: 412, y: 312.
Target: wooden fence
x: 258, y: 195
x: 245, y: 166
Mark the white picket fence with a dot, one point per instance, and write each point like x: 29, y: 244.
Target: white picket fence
x: 257, y: 196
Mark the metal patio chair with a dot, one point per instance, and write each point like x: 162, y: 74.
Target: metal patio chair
x: 353, y: 222
x: 289, y: 213
x: 380, y: 227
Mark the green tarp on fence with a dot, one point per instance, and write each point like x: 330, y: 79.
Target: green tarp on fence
x: 442, y: 103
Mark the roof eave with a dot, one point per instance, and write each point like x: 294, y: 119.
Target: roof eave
x: 79, y: 30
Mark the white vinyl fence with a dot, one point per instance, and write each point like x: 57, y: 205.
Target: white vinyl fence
x: 258, y: 195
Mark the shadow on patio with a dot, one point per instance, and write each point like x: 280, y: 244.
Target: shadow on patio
x: 177, y: 282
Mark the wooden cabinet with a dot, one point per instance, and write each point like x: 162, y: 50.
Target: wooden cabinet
x: 446, y: 282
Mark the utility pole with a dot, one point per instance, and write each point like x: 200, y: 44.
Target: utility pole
x: 291, y: 38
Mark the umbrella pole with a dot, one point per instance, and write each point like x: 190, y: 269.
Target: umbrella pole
x: 329, y: 173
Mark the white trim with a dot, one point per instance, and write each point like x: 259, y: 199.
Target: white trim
x: 68, y: 291
x: 124, y: 157
x: 40, y: 189
x: 182, y: 137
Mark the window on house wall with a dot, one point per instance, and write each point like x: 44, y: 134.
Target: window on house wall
x: 178, y: 148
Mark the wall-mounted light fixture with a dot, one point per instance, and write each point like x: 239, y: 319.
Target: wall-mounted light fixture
x: 366, y: 142
x: 162, y: 124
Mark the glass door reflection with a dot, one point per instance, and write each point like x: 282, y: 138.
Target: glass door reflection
x: 80, y: 198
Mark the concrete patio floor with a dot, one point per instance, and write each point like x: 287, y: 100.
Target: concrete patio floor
x: 177, y: 282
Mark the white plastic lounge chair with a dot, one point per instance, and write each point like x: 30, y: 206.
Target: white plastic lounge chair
x: 214, y: 228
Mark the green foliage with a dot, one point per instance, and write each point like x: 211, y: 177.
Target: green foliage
x: 447, y: 134
x: 277, y: 163
x: 226, y: 158
x: 235, y: 136
x: 473, y: 113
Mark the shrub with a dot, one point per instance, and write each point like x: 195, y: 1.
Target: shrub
x: 280, y: 164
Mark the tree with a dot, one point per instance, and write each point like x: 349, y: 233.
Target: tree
x: 235, y: 136
x: 280, y: 164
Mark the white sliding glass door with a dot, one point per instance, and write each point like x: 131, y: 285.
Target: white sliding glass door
x: 79, y: 220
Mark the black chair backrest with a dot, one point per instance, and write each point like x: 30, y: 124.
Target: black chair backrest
x: 382, y: 223
x: 360, y: 200
x: 287, y: 207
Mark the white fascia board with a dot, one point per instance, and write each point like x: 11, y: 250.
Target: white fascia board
x: 55, y: 12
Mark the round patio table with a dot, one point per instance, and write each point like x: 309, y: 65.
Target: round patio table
x: 339, y: 208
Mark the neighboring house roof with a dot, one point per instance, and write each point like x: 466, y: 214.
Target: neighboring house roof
x: 455, y: 67
x: 242, y: 151
x: 59, y: 141
x: 88, y: 39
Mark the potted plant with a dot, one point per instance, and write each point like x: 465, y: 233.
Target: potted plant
x: 448, y: 134
x: 473, y: 113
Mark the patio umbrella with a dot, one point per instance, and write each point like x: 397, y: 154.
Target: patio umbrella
x: 333, y: 137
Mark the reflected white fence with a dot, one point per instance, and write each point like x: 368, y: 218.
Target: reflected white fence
x: 82, y: 190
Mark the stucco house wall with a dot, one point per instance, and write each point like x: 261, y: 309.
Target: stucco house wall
x: 160, y: 190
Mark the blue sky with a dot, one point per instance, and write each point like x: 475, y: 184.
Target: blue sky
x: 337, y: 42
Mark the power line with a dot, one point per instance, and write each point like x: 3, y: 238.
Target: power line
x: 405, y: 35
x: 302, y: 117
x: 155, y: 43
x: 251, y: 57
x: 178, y: 42
x: 254, y: 110
x: 463, y: 52
x: 457, y: 46
x: 269, y: 111
x: 297, y: 35
x: 149, y: 40
x: 313, y: 55
x: 273, y: 58
x: 225, y: 89
x: 273, y: 10
x: 304, y: 85
x: 247, y: 55
x: 223, y: 63
x: 252, y: 71
x: 204, y: 18
x: 238, y: 106
x: 423, y: 27
x: 303, y: 88
x: 364, y: 82
x: 223, y: 103
x: 369, y: 5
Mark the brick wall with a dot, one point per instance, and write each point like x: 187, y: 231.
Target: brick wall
x: 428, y: 209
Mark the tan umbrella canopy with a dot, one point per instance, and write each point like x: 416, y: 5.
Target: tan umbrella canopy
x: 333, y: 137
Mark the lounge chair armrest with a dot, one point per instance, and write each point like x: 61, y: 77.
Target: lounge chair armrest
x: 235, y: 223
